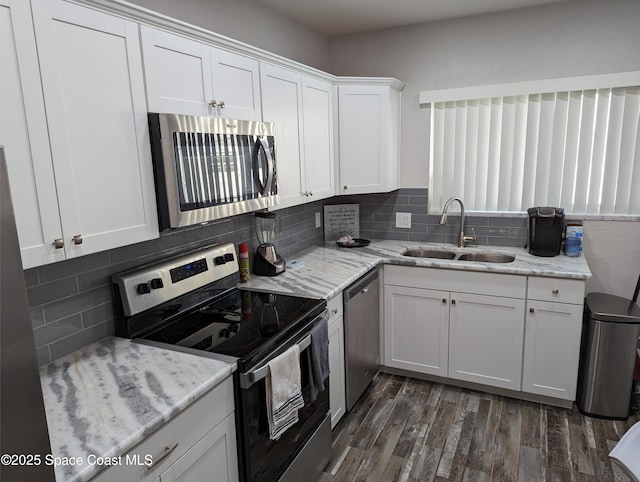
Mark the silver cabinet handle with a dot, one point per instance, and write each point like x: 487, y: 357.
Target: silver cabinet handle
x: 222, y: 104
x: 167, y: 451
x: 555, y: 292
x: 364, y: 290
x: 213, y: 103
x: 58, y: 243
x: 77, y: 239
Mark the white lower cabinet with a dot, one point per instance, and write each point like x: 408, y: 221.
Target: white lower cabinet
x: 552, y: 338
x: 210, y: 459
x: 199, y: 444
x: 485, y: 339
x: 416, y: 333
x: 473, y: 327
x: 337, y: 389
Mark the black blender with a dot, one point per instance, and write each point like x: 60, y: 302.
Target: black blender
x: 267, y: 262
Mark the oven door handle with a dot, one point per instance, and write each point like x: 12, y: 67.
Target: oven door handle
x: 249, y: 378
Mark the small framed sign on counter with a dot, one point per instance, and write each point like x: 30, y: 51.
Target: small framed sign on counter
x: 341, y: 220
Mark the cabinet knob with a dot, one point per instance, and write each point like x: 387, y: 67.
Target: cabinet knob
x: 453, y: 302
x: 345, y: 188
x: 531, y: 310
x: 222, y: 104
x: 58, y: 243
x: 444, y: 300
x: 213, y: 104
x: 555, y: 292
x: 77, y: 239
x: 334, y: 311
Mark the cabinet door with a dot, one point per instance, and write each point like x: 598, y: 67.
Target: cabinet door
x: 282, y: 105
x: 317, y: 109
x: 94, y: 96
x: 236, y: 85
x: 416, y: 329
x: 213, y: 458
x: 177, y: 73
x: 552, y: 349
x: 337, y: 399
x: 23, y: 132
x: 364, y: 138
x: 485, y: 340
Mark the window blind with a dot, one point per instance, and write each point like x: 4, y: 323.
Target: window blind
x: 576, y: 149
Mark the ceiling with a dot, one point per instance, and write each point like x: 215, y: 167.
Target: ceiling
x: 338, y: 17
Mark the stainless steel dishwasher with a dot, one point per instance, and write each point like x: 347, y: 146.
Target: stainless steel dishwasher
x: 362, y: 334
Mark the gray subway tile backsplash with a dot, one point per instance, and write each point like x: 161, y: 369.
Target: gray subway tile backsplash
x: 71, y: 301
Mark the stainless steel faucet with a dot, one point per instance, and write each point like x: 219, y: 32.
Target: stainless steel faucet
x: 462, y: 239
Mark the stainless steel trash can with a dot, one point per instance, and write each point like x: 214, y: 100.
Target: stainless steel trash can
x: 611, y: 327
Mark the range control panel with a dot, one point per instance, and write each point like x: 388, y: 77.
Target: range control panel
x: 148, y: 286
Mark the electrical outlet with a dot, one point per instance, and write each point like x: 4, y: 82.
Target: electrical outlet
x: 403, y: 220
x: 318, y: 221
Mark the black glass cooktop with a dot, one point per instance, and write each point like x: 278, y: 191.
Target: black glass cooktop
x: 237, y: 324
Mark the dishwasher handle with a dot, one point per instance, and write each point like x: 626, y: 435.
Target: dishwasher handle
x: 361, y: 286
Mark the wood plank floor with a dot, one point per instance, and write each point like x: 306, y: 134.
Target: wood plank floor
x: 404, y: 429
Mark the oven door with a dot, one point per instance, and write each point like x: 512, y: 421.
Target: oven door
x: 263, y: 459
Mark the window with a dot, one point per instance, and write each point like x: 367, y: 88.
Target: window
x: 524, y: 145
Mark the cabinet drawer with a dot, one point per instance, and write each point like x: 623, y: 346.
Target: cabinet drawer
x: 556, y: 289
x: 335, y: 307
x: 474, y: 282
x: 177, y: 436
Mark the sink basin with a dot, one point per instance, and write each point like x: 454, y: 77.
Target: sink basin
x: 430, y: 253
x: 481, y: 256
x: 487, y: 257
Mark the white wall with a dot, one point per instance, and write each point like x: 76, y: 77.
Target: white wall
x: 559, y: 40
x: 252, y: 23
x: 612, y: 249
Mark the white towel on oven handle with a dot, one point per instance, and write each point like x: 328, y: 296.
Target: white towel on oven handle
x: 283, y: 391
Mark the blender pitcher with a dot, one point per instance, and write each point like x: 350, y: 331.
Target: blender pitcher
x: 267, y: 262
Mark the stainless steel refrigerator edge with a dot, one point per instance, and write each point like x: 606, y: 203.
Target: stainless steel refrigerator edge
x: 23, y: 423
x: 362, y: 335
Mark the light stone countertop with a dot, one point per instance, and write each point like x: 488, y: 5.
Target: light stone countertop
x: 106, y: 398
x: 328, y: 269
x: 109, y: 396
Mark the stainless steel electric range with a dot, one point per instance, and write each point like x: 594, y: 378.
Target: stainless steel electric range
x: 191, y: 303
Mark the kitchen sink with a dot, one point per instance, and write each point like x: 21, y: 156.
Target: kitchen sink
x: 430, y: 253
x: 481, y: 256
x: 487, y: 257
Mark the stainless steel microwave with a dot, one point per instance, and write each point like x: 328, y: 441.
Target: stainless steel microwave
x: 208, y: 168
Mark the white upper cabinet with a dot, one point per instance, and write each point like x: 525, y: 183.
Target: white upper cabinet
x: 282, y: 105
x: 317, y: 110
x: 92, y: 81
x: 369, y: 145
x: 184, y: 76
x: 23, y: 132
x: 301, y: 108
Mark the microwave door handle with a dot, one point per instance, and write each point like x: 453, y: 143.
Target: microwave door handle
x: 249, y: 378
x: 261, y: 143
